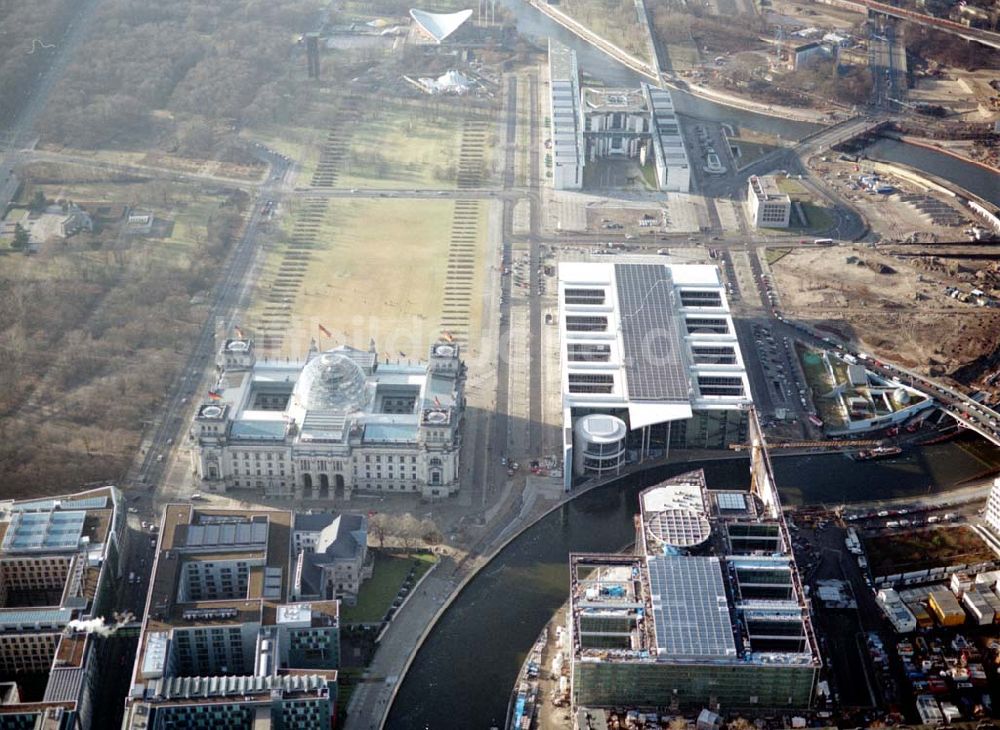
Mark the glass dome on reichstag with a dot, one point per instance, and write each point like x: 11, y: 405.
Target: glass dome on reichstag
x: 332, y: 382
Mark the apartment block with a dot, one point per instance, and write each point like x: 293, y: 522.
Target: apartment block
x: 225, y: 643
x: 59, y: 564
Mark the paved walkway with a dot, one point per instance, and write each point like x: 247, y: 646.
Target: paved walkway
x: 398, y: 645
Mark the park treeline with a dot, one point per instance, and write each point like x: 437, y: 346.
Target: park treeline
x: 89, y: 344
x: 177, y: 73
x: 29, y: 32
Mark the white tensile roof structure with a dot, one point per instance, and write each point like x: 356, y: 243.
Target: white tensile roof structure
x: 439, y: 25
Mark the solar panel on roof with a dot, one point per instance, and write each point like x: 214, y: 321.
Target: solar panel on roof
x: 654, y: 364
x: 31, y: 616
x: 729, y: 500
x: 36, y: 531
x: 44, y: 505
x: 690, y: 609
x: 226, y: 533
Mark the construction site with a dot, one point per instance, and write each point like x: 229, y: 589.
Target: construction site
x: 931, y: 307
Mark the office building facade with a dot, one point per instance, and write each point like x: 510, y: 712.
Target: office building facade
x: 650, y: 361
x: 709, y: 611
x: 768, y: 206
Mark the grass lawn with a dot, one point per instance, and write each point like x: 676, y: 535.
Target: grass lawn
x: 613, y: 20
x: 774, y: 255
x: 933, y: 548
x: 749, y: 151
x: 404, y: 145
x: 682, y: 55
x: 819, y: 381
x: 347, y: 681
x: 820, y: 219
x: 378, y: 593
x: 381, y: 274
x: 792, y: 187
x: 377, y: 270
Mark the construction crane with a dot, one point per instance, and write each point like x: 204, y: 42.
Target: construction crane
x: 779, y: 38
x: 855, y: 444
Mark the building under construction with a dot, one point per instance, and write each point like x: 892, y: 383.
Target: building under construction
x: 709, y: 610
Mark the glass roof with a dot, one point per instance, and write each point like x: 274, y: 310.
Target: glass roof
x: 332, y: 382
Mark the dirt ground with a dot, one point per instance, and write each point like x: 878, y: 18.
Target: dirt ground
x: 892, y: 216
x: 967, y: 94
x: 902, y: 314
x: 816, y: 14
x: 925, y: 549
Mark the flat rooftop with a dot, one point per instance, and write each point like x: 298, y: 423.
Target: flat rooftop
x: 614, y: 100
x: 690, y: 609
x: 765, y: 188
x: 652, y: 338
x: 654, y: 365
x: 189, y: 534
x: 562, y: 62
x: 675, y: 514
x: 721, y: 588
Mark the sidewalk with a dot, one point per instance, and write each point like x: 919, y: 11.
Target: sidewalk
x: 797, y: 114
x: 397, y: 648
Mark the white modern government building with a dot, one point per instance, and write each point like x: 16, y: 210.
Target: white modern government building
x: 593, y: 123
x: 564, y: 111
x: 769, y: 207
x: 336, y: 422
x: 650, y: 360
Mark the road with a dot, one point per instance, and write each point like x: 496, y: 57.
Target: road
x: 969, y: 413
x: 535, y: 427
x: 21, y: 132
x: 228, y: 296
x: 117, y: 653
x: 985, y: 37
x: 167, y: 173
x: 887, y: 62
x: 817, y: 143
x: 822, y: 550
x: 501, y: 418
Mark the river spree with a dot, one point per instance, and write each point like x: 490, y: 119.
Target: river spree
x: 975, y: 179
x: 462, y: 676
x: 598, y: 66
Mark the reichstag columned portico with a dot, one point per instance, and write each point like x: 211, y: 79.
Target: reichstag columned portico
x: 337, y: 422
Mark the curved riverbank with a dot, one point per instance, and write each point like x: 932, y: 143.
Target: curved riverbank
x: 461, y: 676
x: 955, y: 174
x: 651, y: 73
x: 481, y: 561
x: 809, y: 116
x: 926, y: 180
x: 929, y: 144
